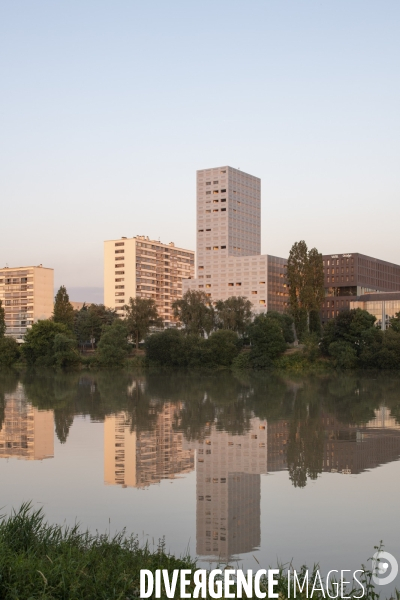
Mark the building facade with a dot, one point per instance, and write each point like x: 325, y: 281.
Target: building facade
x: 229, y: 260
x: 384, y: 306
x: 27, y: 295
x: 350, y: 275
x: 144, y: 268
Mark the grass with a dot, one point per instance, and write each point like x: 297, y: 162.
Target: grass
x: 51, y: 562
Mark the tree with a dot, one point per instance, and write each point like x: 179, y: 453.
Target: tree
x: 349, y: 326
x: 285, y: 322
x: 305, y: 274
x: 63, y: 311
x: 234, y: 313
x: 2, y: 320
x: 267, y: 341
x: 9, y: 351
x: 394, y: 322
x: 39, y: 348
x: 113, y: 348
x: 194, y: 312
x: 224, y: 346
x: 89, y: 323
x: 141, y: 315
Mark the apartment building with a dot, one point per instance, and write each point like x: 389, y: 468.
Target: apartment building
x: 144, y: 268
x: 348, y: 276
x: 144, y: 458
x: 228, y: 490
x: 27, y: 295
x: 26, y: 432
x: 229, y: 260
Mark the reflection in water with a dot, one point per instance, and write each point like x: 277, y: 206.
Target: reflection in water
x: 236, y: 429
x: 141, y: 458
x: 26, y: 432
x: 228, y: 490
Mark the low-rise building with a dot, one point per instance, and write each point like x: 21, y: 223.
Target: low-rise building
x: 348, y: 276
x: 142, y: 268
x: 383, y: 306
x: 27, y: 295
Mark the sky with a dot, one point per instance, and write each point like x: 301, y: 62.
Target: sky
x: 108, y: 108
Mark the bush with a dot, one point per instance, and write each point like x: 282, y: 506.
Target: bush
x: 267, y: 342
x: 113, y: 348
x: 9, y: 351
x: 224, y: 346
x: 65, y: 351
x: 241, y: 361
x: 343, y: 354
x: 39, y: 348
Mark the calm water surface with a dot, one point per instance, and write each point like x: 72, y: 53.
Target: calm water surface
x: 233, y: 469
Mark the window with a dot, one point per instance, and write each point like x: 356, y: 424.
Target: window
x: 120, y: 244
x: 119, y: 251
x: 223, y: 191
x: 208, y: 211
x: 208, y: 182
x: 120, y: 265
x: 261, y: 282
x: 215, y: 201
x: 208, y: 229
x: 208, y: 285
x: 120, y: 272
x: 223, y: 209
x: 119, y: 287
x: 208, y: 247
x: 230, y: 284
x: 120, y: 302
x: 223, y: 247
x: 215, y: 192
x: 201, y: 286
x: 120, y: 293
x: 223, y: 199
x: 238, y: 284
x: 207, y: 193
x: 254, y: 292
x: 215, y: 247
x: 120, y: 279
x: 215, y: 182
x: 262, y: 302
x: 201, y: 230
x: 201, y: 268
x: 215, y: 210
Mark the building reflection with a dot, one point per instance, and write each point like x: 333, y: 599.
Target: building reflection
x: 228, y: 491
x: 347, y: 448
x: 143, y: 458
x: 26, y: 432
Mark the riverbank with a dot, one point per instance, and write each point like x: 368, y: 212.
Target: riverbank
x: 51, y: 562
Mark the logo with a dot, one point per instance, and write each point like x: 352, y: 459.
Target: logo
x: 384, y: 563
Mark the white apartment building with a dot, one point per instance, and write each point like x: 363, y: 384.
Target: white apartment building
x: 27, y: 295
x: 144, y: 268
x: 229, y: 260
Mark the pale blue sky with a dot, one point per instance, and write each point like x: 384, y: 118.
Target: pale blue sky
x: 108, y: 108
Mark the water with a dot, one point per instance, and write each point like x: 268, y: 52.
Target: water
x: 231, y: 469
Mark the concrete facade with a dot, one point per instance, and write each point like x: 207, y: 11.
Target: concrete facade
x: 144, y: 268
x: 229, y: 260
x: 27, y: 295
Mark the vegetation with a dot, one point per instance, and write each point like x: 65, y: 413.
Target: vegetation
x: 141, y: 315
x: 49, y: 344
x: 195, y: 313
x: 63, y: 311
x: 9, y: 351
x: 2, y: 320
x: 39, y: 560
x: 305, y: 274
x: 113, y: 347
x: 234, y: 313
x: 267, y: 341
x: 89, y: 322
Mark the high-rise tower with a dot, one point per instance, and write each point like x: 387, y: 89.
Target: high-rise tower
x: 229, y: 260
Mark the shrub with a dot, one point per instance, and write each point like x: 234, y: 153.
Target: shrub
x: 224, y: 346
x: 38, y: 348
x: 267, y: 341
x: 343, y: 354
x: 113, y: 347
x: 9, y: 351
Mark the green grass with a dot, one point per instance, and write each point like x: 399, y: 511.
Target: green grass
x: 50, y: 562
